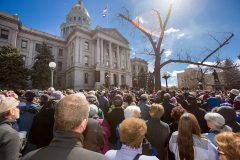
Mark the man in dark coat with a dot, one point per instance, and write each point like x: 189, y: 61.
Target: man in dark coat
x: 198, y: 112
x: 71, y: 117
x: 115, y: 117
x: 9, y: 139
x: 158, y: 132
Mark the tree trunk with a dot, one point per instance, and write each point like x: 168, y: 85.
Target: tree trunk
x: 157, y: 73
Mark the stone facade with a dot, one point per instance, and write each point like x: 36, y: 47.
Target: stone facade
x: 188, y: 79
x: 139, y: 64
x: 85, y: 58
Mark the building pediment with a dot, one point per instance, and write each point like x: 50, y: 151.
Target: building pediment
x: 113, y: 33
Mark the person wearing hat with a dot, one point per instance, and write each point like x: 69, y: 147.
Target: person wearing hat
x: 144, y: 107
x: 233, y: 93
x: 115, y: 117
x: 9, y: 138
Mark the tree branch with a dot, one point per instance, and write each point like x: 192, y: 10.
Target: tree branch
x: 219, y: 47
x: 190, y: 62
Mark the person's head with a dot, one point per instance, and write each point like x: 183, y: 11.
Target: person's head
x: 71, y: 113
x: 69, y: 91
x: 132, y: 132
x: 214, y: 120
x: 187, y: 126
x: 92, y: 99
x: 8, y: 108
x: 236, y: 103
x: 144, y: 97
x: 191, y: 99
x: 118, y: 100
x: 166, y: 96
x: 234, y: 93
x: 93, y: 113
x: 132, y: 111
x: 177, y: 112
x: 228, y: 145
x: 127, y: 97
x: 44, y: 98
x: 156, y: 110
x: 30, y: 96
x: 56, y: 95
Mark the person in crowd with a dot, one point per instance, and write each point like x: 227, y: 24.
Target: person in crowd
x: 71, y: 117
x: 93, y: 134
x: 232, y: 94
x: 229, y: 115
x: 198, y: 112
x: 103, y: 102
x: 168, y: 106
x: 9, y: 138
x: 187, y: 143
x: 176, y: 113
x: 92, y: 99
x: 213, y: 101
x: 28, y: 110
x: 128, y: 100
x: 144, y: 106
x: 158, y: 132
x: 216, y: 123
x: 115, y: 116
x: 132, y: 132
x: 104, y: 125
x: 69, y: 92
x: 228, y: 146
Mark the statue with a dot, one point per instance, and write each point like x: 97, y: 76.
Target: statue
x: 215, y: 76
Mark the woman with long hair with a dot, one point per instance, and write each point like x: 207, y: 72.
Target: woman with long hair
x: 188, y: 144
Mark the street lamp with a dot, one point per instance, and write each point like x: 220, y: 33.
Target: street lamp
x: 166, y: 75
x: 52, y: 66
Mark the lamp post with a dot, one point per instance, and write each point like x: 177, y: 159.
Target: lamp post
x: 52, y: 66
x: 166, y: 75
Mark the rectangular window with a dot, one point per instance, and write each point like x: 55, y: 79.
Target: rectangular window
x: 86, y: 78
x: 60, y: 52
x: 59, y: 66
x: 71, y: 60
x: 108, y: 52
x: 4, y: 33
x: 38, y: 47
x: 86, y: 45
x: 86, y: 60
x: 115, y: 54
x: 24, y: 44
x: 50, y: 49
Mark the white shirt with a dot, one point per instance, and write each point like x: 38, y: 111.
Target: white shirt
x: 127, y: 153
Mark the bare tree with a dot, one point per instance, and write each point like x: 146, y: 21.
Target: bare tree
x: 158, y: 51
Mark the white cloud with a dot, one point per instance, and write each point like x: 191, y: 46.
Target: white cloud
x: 181, y: 35
x: 171, y: 30
x: 168, y: 53
x: 139, y: 19
x: 175, y: 72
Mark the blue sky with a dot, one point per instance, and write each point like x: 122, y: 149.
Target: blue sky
x: 188, y: 28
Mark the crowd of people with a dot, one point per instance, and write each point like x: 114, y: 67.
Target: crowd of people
x: 119, y: 125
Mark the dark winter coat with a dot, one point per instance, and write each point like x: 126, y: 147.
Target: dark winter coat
x: 64, y: 146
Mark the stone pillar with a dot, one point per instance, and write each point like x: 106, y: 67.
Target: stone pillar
x: 110, y: 55
x: 111, y: 79
x: 76, y: 54
x: 102, y: 52
x: 81, y: 60
x: 119, y: 80
x: 118, y: 57
x: 98, y: 52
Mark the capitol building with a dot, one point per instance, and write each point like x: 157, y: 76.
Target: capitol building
x: 86, y: 58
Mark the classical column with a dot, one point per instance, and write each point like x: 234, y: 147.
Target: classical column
x: 98, y: 52
x: 102, y: 51
x: 76, y: 54
x: 110, y: 54
x: 118, y: 57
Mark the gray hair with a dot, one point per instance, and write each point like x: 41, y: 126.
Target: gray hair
x: 215, y: 118
x: 129, y: 111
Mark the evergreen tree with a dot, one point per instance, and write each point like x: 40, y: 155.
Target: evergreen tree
x: 40, y: 73
x: 142, y: 79
x: 13, y: 74
x: 231, y: 75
